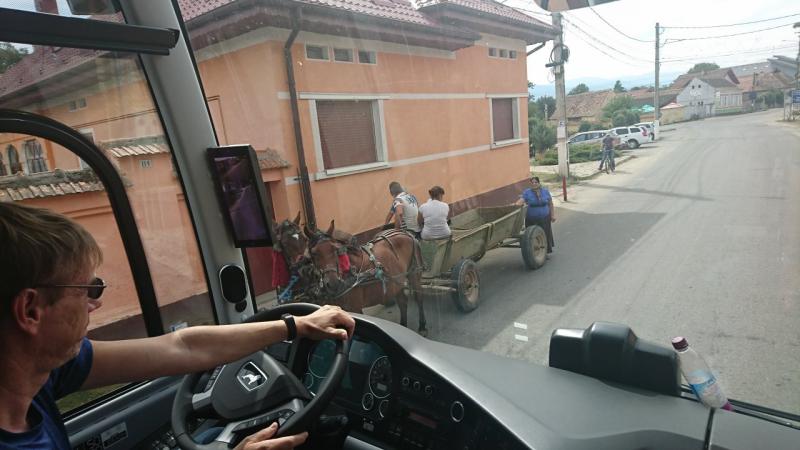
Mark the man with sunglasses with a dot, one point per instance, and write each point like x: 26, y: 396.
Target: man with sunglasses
x: 48, y: 287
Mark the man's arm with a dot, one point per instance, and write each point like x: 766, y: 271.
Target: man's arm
x: 388, y: 217
x: 398, y: 217
x: 552, y: 209
x: 201, y: 348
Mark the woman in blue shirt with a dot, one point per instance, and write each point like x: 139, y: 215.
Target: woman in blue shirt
x: 540, y: 209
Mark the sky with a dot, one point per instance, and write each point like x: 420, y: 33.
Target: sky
x: 628, y: 57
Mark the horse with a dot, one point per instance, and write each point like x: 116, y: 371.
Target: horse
x: 291, y: 259
x: 291, y: 267
x: 357, y: 277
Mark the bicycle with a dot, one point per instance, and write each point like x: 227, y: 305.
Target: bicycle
x: 608, y: 160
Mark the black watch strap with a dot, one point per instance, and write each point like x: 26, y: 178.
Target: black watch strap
x: 291, y: 326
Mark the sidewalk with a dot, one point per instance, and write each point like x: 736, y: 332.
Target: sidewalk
x: 580, y: 171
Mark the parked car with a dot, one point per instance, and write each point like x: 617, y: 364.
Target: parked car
x: 649, y: 127
x: 631, y: 137
x: 587, y: 137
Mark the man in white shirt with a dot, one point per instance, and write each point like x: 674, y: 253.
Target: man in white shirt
x: 433, y: 215
x: 404, y: 209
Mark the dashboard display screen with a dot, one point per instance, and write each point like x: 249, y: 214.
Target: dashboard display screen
x: 368, y: 369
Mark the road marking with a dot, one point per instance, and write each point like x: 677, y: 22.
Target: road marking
x: 521, y: 326
x: 520, y: 337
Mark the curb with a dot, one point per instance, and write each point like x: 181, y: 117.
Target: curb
x: 556, y: 191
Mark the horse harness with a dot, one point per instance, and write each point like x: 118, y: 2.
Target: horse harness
x: 377, y: 273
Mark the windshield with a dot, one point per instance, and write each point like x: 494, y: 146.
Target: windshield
x: 677, y: 213
x: 694, y: 233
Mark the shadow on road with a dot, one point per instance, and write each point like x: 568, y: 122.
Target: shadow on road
x: 586, y: 244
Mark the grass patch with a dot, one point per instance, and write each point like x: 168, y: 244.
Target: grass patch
x: 577, y: 154
x: 79, y: 398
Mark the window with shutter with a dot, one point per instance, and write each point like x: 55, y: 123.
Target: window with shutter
x: 503, y: 119
x: 14, y: 164
x: 34, y: 156
x: 346, y: 132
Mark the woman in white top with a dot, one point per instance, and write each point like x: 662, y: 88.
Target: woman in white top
x: 433, y: 216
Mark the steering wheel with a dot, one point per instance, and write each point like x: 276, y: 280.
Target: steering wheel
x: 251, y: 393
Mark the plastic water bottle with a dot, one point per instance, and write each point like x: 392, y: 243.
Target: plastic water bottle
x: 699, y: 376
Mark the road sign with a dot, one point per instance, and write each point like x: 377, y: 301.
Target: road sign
x: 796, y: 96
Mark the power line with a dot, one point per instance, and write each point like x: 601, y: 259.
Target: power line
x: 634, y: 64
x: 733, y: 24
x: 728, y: 35
x: 540, y: 13
x: 618, y: 30
x: 763, y: 50
x: 572, y: 24
x: 623, y: 44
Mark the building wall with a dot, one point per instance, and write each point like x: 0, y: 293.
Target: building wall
x: 698, y: 98
x: 436, y: 112
x: 436, y: 120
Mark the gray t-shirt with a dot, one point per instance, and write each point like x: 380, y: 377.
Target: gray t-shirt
x: 434, y: 213
x: 410, y: 210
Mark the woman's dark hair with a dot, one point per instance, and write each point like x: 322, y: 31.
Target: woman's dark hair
x: 436, y: 192
x: 535, y: 178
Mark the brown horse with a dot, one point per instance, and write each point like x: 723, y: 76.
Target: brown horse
x: 291, y: 240
x: 389, y: 267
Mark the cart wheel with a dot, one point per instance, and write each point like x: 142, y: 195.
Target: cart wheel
x: 534, y: 247
x: 465, y: 277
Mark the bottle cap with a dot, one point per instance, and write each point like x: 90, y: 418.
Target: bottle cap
x: 679, y: 343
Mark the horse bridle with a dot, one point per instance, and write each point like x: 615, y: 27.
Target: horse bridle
x: 297, y: 234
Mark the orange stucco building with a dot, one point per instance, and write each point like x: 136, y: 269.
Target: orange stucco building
x: 423, y: 93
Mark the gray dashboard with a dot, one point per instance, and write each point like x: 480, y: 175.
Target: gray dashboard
x: 549, y: 408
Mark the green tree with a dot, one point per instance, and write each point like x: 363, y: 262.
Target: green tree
x: 530, y: 88
x: 584, y: 126
x: 579, y: 89
x: 10, y: 55
x: 778, y: 97
x: 618, y: 87
x: 542, y: 136
x: 703, y: 67
x: 551, y: 105
x: 625, y: 117
x: 620, y: 102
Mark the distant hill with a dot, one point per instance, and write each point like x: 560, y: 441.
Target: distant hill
x: 598, y: 84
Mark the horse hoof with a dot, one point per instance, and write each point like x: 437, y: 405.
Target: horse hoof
x: 423, y: 333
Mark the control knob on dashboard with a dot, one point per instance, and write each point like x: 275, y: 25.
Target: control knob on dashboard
x: 428, y: 390
x: 457, y: 411
x: 405, y: 381
x: 367, y: 401
x: 417, y: 385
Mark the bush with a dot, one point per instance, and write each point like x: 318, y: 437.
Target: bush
x: 542, y: 136
x: 577, y: 154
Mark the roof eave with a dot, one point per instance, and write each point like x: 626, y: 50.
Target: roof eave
x: 531, y: 32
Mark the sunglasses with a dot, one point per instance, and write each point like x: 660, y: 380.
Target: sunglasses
x: 94, y: 289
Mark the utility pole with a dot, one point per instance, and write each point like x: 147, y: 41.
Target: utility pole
x: 656, y: 102
x: 561, y: 103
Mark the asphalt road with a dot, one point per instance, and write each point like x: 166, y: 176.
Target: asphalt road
x: 698, y: 236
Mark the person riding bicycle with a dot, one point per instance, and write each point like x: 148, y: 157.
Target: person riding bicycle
x: 608, y: 153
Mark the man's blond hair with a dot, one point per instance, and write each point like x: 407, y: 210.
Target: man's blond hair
x: 38, y: 247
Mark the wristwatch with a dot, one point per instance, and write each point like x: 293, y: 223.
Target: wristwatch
x: 291, y: 326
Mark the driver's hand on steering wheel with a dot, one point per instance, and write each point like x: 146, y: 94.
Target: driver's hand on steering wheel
x: 328, y: 322
x: 261, y: 440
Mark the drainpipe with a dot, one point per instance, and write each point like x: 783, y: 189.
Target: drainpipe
x: 305, y: 183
